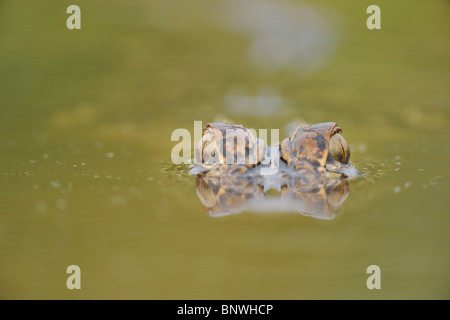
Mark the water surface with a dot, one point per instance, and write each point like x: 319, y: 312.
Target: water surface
x: 86, y: 176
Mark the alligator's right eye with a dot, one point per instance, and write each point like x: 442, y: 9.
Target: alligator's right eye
x: 338, y: 149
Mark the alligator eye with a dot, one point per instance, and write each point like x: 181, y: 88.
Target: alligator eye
x: 338, y: 149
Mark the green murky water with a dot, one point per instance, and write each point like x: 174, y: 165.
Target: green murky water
x: 86, y: 119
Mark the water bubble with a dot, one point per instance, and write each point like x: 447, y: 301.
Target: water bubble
x: 397, y: 189
x: 110, y: 155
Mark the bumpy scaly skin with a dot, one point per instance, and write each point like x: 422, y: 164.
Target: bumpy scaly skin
x: 228, y: 145
x: 309, y: 143
x: 309, y: 157
x: 308, y: 147
x: 222, y: 186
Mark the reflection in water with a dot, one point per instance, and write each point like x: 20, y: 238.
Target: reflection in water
x: 225, y: 195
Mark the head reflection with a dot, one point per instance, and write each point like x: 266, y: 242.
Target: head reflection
x: 315, y: 197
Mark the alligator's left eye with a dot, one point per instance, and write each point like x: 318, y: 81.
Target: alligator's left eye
x: 338, y: 149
